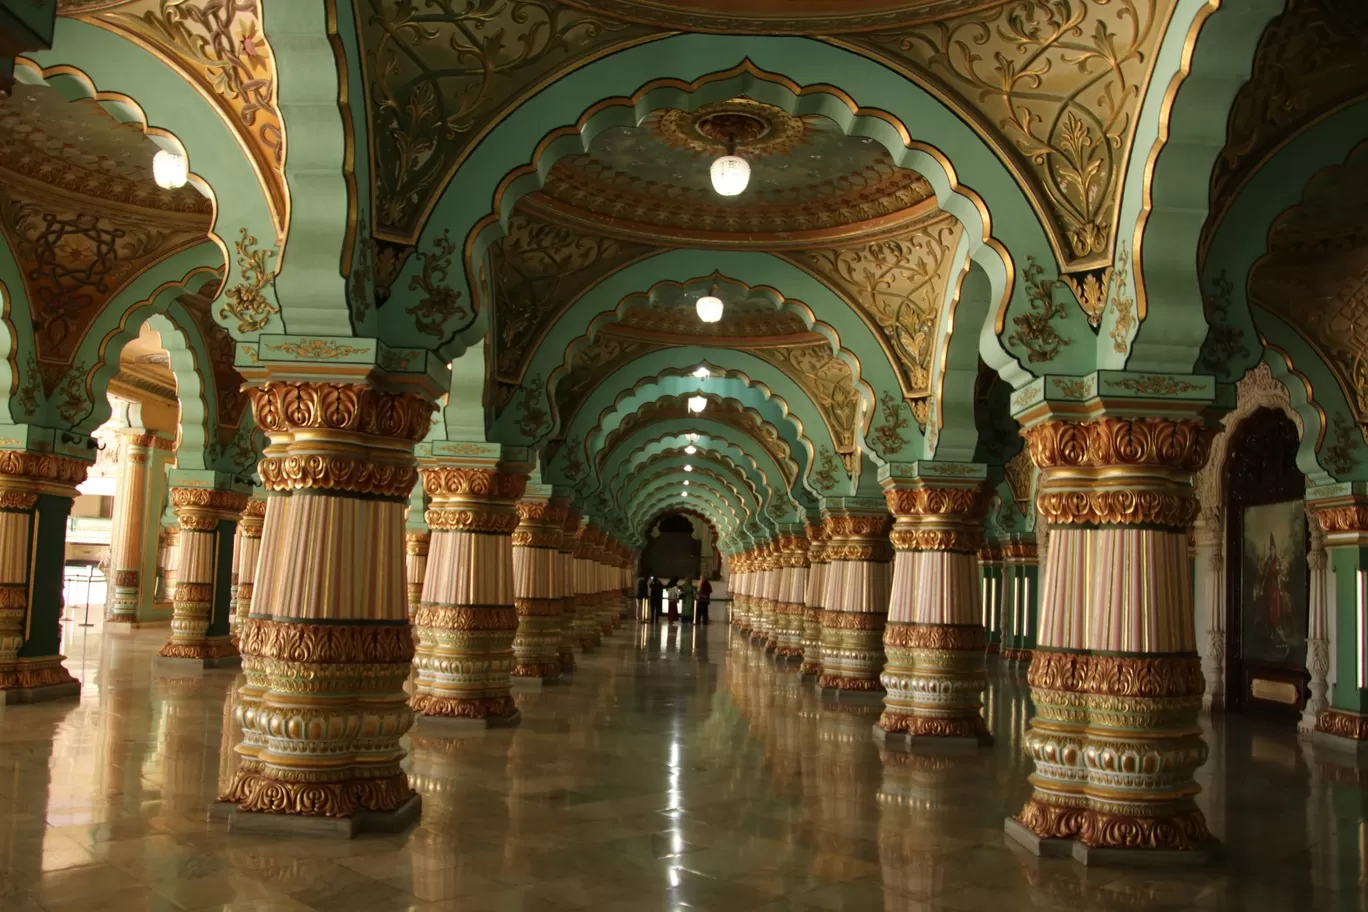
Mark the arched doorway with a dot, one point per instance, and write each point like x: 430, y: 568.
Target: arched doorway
x: 1267, y: 588
x: 673, y: 549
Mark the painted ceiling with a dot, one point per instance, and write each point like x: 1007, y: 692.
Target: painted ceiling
x: 780, y: 15
x: 809, y: 181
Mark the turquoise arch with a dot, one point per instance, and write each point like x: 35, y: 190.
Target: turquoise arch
x: 721, y: 533
x: 788, y: 288
x: 758, y: 384
x: 720, y: 462
x: 709, y: 474
x: 665, y: 494
x: 783, y: 463
x: 753, y: 470
x: 1177, y: 194
x: 967, y: 161
x: 174, y: 113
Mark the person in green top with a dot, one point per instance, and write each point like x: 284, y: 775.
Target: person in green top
x: 686, y: 592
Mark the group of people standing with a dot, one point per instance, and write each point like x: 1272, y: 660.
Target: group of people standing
x: 674, y: 600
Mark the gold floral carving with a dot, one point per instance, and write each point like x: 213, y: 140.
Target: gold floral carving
x: 327, y: 644
x: 1178, y: 832
x: 1091, y: 289
x: 1343, y: 724
x: 417, y: 544
x: 440, y: 302
x: 253, y: 790
x: 34, y: 674
x: 966, y: 637
x: 466, y: 617
x: 1019, y: 473
x: 357, y: 474
x: 439, y: 77
x: 254, y: 509
x: 1155, y: 385
x: 1060, y: 82
x: 963, y: 540
x: 1181, y: 445
x: 845, y: 682
x: 839, y: 527
x: 1224, y: 342
x: 588, y: 364
x: 231, y: 503
x: 463, y: 707
x: 827, y: 467
x: 22, y: 501
x: 899, y: 284
x: 1344, y: 518
x: 247, y: 301
x: 1052, y: 821
x: 1122, y: 302
x: 21, y: 468
x: 1156, y: 677
x: 827, y: 380
x: 853, y: 620
x: 317, y: 349
x: 887, y: 437
x: 445, y: 519
x: 966, y: 504
x: 466, y: 482
x: 1172, y: 510
x: 210, y: 650
x: 1338, y: 453
x: 963, y: 726
x: 1035, y: 329
x: 284, y: 407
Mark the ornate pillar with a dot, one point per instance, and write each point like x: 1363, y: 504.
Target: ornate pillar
x: 1021, y: 584
x: 607, y: 598
x: 169, y: 557
x: 740, y: 586
x: 248, y: 552
x: 587, y: 632
x: 1318, y: 629
x: 1115, y: 677
x: 812, y: 601
x: 417, y: 541
x: 565, y: 584
x: 1211, y: 595
x: 1343, y: 518
x: 140, y: 493
x: 789, y: 606
x: 327, y: 647
x: 203, y: 606
x: 540, y: 606
x: 466, y: 620
x: 762, y: 600
x: 990, y: 595
x: 935, y: 639
x: 855, y: 600
x: 36, y: 491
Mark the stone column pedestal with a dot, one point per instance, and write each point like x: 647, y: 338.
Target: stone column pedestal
x: 467, y: 619
x: 36, y: 491
x: 855, y: 600
x: 935, y: 640
x: 201, y: 633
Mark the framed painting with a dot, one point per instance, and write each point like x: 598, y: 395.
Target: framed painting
x: 1273, y: 602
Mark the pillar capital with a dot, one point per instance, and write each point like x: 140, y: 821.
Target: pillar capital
x: 1342, y: 515
x: 202, y: 509
x: 25, y: 474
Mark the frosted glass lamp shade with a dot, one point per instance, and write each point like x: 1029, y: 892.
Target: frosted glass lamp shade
x: 697, y: 404
x: 688, y: 468
x: 710, y: 308
x: 691, y: 449
x: 730, y: 175
x: 170, y: 169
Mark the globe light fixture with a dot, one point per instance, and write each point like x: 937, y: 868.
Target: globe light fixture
x: 697, y: 404
x: 693, y: 438
x: 730, y: 174
x: 170, y: 169
x: 686, y: 482
x: 688, y: 468
x: 710, y: 306
x: 702, y: 373
x: 691, y: 449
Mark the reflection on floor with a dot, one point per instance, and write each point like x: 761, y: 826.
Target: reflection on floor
x: 679, y: 770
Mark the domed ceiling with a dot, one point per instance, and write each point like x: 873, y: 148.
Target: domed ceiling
x: 773, y: 16
x: 82, y: 214
x: 810, y: 182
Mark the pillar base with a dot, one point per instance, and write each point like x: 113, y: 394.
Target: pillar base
x: 871, y: 697
x: 903, y: 741
x: 37, y: 680
x: 449, y: 726
x: 1036, y: 845
x: 173, y: 667
x: 395, y: 821
x: 1342, y: 748
x: 43, y: 693
x: 1105, y: 856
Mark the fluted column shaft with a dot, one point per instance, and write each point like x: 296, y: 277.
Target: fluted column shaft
x: 588, y: 635
x: 740, y: 579
x: 990, y: 596
x: 540, y: 606
x: 1318, y: 630
x: 935, y: 639
x: 1115, y: 677
x: 762, y: 592
x: 203, y: 605
x: 812, y: 601
x: 466, y: 620
x: 169, y: 557
x: 606, y: 598
x: 1021, y: 611
x: 790, y: 597
x: 36, y: 491
x: 136, y: 527
x: 326, y: 648
x: 248, y: 552
x: 855, y: 599
x: 565, y: 584
x: 417, y: 543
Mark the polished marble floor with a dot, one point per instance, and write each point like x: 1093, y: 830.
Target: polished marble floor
x: 679, y: 770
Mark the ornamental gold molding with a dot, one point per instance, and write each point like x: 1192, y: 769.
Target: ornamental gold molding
x: 229, y: 505
x: 1181, y: 445
x: 445, y: 519
x: 286, y: 407
x: 458, y: 483
x: 25, y: 674
x: 466, y: 617
x: 829, y: 382
x: 326, y: 644
x: 936, y: 636
x: 253, y: 790
x: 27, y: 471
x: 1055, y: 87
x: 1343, y: 724
x: 1149, y: 677
x: 358, y: 474
x: 246, y: 301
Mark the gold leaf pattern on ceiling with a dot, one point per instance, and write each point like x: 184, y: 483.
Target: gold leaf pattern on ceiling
x: 753, y: 321
x: 1315, y: 275
x: 1059, y: 82
x: 74, y: 261
x: 827, y: 380
x: 899, y: 284
x: 218, y: 45
x: 439, y: 75
x: 781, y: 16
x: 590, y: 364
x: 725, y: 411
x: 78, y: 148
x: 1309, y: 63
x: 539, y: 269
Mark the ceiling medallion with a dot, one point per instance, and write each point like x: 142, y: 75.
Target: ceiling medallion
x: 756, y: 129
